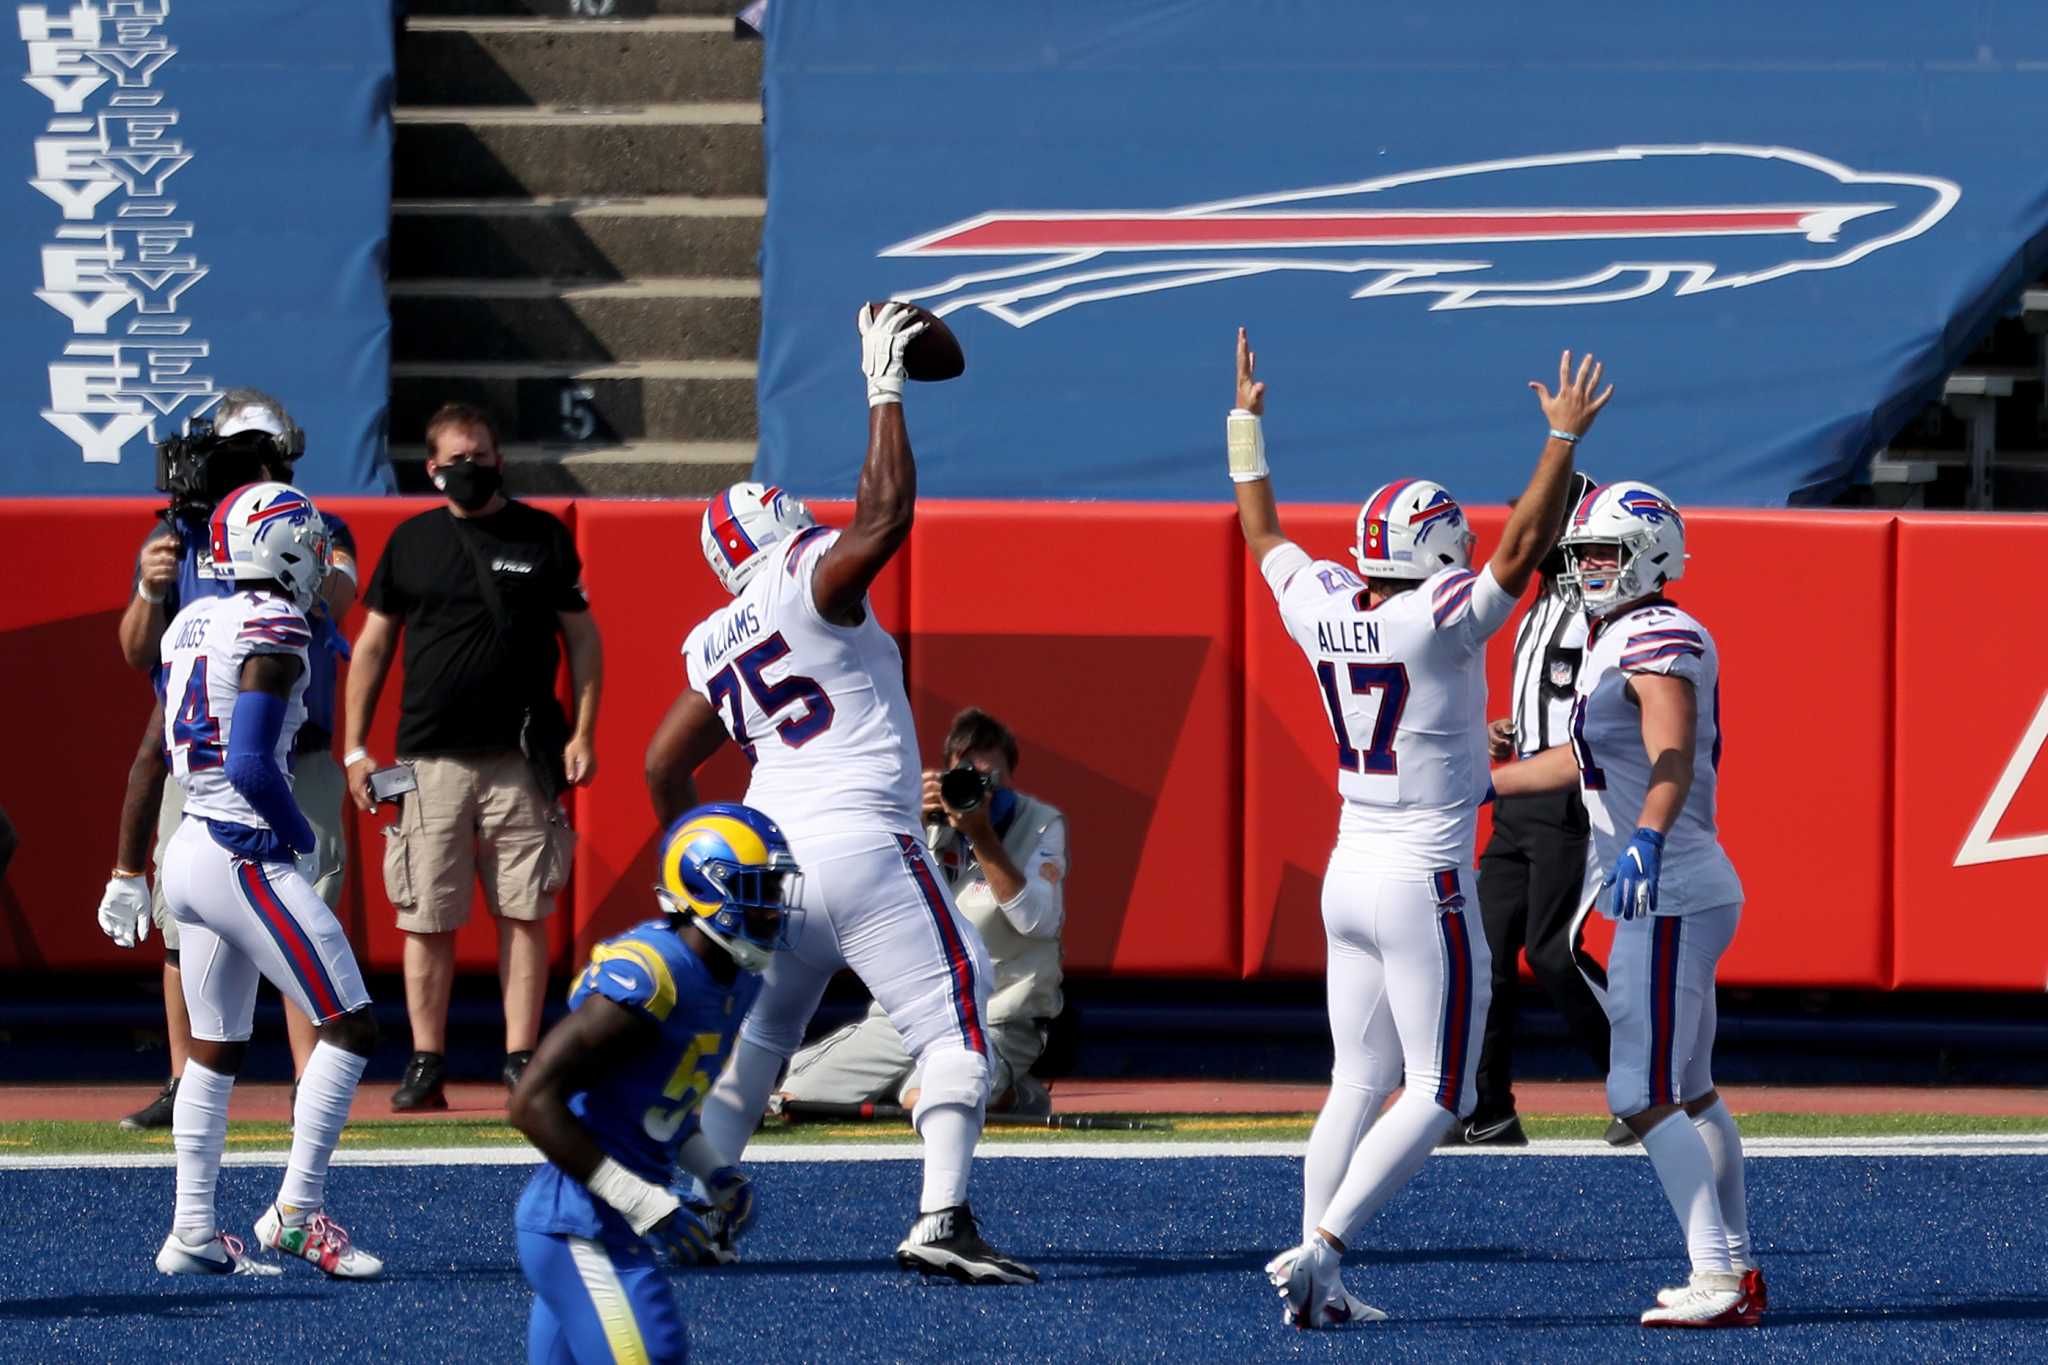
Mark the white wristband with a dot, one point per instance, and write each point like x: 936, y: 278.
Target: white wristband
x: 642, y: 1203
x: 1247, y: 444
x: 353, y: 757
x: 884, y: 390
x: 155, y: 599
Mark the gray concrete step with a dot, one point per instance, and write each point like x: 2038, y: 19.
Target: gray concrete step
x: 684, y: 469
x: 677, y: 400
x: 542, y: 320
x: 678, y: 149
x: 522, y: 62
x: 589, y: 11
x: 580, y: 239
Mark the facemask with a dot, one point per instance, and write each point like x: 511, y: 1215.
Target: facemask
x: 469, y: 485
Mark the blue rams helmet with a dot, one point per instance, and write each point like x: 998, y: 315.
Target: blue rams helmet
x: 727, y: 869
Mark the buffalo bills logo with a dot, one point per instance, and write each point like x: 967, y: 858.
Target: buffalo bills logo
x: 289, y: 510
x: 1441, y: 508
x: 1647, y: 506
x: 1593, y: 227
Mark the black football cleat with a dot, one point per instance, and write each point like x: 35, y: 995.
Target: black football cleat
x: 421, y: 1088
x: 155, y: 1114
x: 947, y: 1242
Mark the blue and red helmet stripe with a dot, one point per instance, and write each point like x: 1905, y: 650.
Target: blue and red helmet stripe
x: 726, y: 530
x: 1372, y: 539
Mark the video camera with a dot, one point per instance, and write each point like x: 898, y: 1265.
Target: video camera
x: 200, y: 467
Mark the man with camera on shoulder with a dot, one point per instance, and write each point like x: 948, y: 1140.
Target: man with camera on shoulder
x: 248, y: 438
x: 1005, y: 854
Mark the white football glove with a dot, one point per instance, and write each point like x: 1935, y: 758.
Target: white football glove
x: 884, y: 336
x: 124, y: 910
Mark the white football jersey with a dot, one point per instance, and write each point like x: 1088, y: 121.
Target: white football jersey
x: 1614, y: 767
x: 203, y: 651
x: 819, y: 709
x: 1405, y: 688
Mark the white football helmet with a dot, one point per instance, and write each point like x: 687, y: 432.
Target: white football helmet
x: 1411, y: 528
x: 1648, y: 532
x: 271, y: 530
x: 743, y: 523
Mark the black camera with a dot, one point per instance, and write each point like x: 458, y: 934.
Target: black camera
x: 963, y: 787
x: 199, y: 468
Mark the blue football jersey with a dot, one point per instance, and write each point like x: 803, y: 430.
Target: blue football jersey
x: 646, y: 1108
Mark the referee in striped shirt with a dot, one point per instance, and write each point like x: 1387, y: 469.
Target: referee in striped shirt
x: 1534, y: 867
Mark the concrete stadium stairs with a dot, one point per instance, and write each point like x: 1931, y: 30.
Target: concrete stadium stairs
x: 576, y: 214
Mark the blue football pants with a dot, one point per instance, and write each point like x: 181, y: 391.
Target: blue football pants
x: 596, y: 1304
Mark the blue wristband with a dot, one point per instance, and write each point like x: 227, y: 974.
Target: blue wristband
x: 1567, y: 437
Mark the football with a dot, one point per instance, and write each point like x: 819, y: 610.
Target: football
x: 934, y: 354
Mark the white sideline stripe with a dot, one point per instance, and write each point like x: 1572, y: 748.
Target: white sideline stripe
x: 1968, y: 1145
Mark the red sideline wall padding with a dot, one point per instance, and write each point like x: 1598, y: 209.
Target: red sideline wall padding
x: 1970, y: 802
x: 1805, y: 704
x: 1141, y: 660
x: 1106, y: 636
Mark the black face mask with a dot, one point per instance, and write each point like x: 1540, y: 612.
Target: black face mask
x: 469, y: 485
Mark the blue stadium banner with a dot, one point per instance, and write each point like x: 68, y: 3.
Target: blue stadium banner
x: 201, y: 199
x: 1780, y: 225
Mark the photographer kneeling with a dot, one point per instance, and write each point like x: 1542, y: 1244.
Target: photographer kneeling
x: 1005, y: 855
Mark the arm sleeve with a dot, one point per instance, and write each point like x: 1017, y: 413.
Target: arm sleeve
x: 1676, y: 651
x: 1472, y: 605
x: 1039, y: 910
x: 1281, y: 566
x: 800, y: 564
x: 252, y: 769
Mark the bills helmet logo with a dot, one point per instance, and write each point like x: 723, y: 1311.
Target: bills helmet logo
x: 1643, y: 504
x: 1589, y: 227
x: 1440, y: 508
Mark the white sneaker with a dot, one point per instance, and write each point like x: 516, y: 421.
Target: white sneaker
x: 320, y: 1240
x: 1711, y: 1299
x: 220, y: 1254
x: 1311, y: 1283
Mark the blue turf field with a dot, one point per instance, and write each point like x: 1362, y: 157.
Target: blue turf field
x: 1542, y: 1259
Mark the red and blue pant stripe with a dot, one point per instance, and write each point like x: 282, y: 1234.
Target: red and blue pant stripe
x: 1457, y: 1021
x: 292, y: 941
x: 1664, y: 1064
x: 959, y: 961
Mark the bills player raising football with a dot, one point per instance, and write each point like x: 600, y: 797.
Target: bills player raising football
x: 235, y: 673
x: 799, y: 673
x: 1398, y: 652
x: 1645, y: 751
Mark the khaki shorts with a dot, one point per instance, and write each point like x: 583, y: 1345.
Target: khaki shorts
x: 475, y: 818
x: 320, y: 788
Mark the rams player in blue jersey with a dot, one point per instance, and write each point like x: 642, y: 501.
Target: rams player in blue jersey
x: 612, y: 1094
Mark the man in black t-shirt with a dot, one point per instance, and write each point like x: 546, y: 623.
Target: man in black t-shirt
x: 480, y: 589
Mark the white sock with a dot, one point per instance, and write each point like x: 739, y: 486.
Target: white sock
x: 326, y: 1089
x: 1347, y: 1114
x: 1388, y: 1157
x: 1682, y: 1163
x: 1724, y: 1145
x: 199, y: 1132
x: 949, y: 1132
x: 738, y: 1098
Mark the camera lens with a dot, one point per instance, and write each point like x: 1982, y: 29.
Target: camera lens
x: 962, y: 787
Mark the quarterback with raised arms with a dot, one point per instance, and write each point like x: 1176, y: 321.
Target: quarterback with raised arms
x: 1397, y: 646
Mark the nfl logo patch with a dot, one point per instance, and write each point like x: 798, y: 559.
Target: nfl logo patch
x: 1561, y: 672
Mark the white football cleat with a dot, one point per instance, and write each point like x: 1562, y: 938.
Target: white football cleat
x: 1755, y: 1297
x: 1311, y: 1283
x: 1711, y: 1299
x: 320, y: 1240
x: 219, y: 1254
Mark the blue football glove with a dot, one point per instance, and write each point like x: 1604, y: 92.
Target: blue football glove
x: 687, y: 1237
x: 1634, y: 877
x: 732, y: 1194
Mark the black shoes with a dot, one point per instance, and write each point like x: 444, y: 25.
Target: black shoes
x: 1486, y: 1132
x: 421, y: 1088
x: 155, y: 1114
x: 515, y: 1067
x: 948, y: 1243
x: 1619, y: 1134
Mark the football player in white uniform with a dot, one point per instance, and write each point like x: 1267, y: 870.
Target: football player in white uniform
x: 799, y: 673
x: 235, y: 876
x: 1399, y: 656
x: 1647, y: 712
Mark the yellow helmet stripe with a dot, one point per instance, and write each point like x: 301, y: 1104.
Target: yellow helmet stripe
x: 664, y: 983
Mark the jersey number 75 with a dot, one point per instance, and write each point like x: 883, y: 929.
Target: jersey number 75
x: 750, y: 669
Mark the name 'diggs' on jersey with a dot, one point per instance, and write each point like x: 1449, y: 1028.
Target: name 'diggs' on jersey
x: 642, y: 1111
x: 819, y: 709
x: 1404, y: 685
x: 203, y: 651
